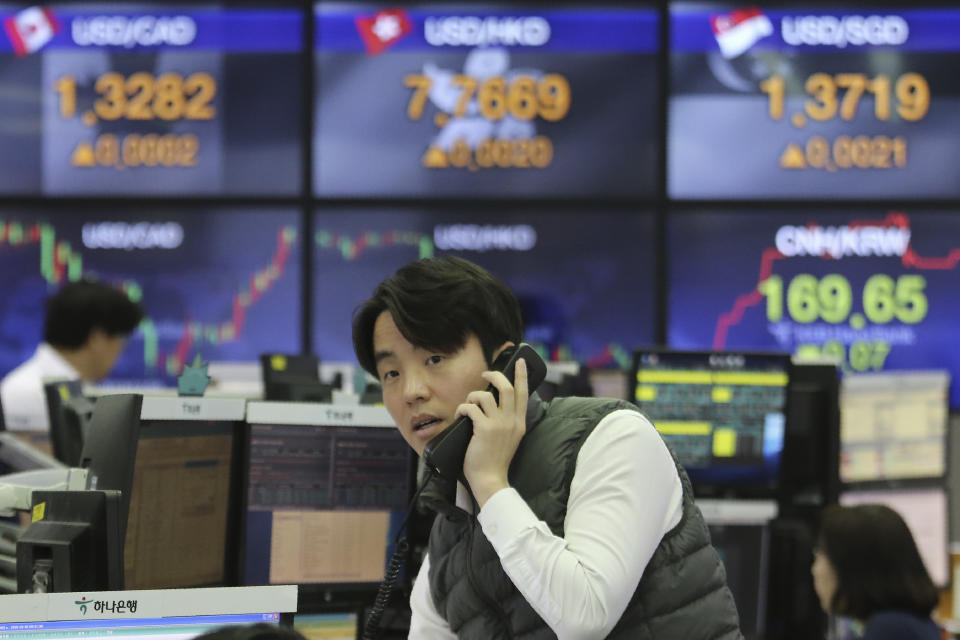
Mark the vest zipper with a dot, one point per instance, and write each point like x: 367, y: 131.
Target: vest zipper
x: 491, y: 603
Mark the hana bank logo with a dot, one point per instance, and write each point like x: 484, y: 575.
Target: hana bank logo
x: 82, y: 603
x: 30, y: 29
x: 739, y: 30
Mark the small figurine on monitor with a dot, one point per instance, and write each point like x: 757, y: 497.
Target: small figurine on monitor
x: 194, y: 379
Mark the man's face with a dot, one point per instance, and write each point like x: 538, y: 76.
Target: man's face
x: 422, y: 389
x: 105, y: 350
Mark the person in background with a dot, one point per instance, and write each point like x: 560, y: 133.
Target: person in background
x: 577, y: 522
x: 866, y: 566
x: 86, y: 325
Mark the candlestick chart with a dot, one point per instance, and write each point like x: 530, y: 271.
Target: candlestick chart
x: 222, y: 283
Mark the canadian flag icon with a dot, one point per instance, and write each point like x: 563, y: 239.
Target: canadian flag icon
x: 383, y: 29
x: 739, y: 30
x: 30, y: 29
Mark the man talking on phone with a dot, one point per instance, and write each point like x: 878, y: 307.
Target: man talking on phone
x: 578, y: 522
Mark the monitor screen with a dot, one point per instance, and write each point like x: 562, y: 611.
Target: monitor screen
x: 210, y: 279
x: 486, y: 99
x: 178, y: 528
x: 175, y: 460
x: 326, y: 491
x: 842, y: 101
x: 584, y: 278
x: 152, y: 628
x: 925, y: 512
x: 893, y: 426
x: 721, y: 413
x: 873, y: 288
x: 150, y: 98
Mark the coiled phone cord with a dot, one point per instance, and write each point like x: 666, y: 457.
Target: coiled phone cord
x: 371, y: 628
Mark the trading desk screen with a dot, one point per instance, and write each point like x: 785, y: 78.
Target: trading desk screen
x: 178, y: 528
x: 154, y: 628
x: 875, y: 289
x: 210, y: 280
x: 721, y: 413
x: 323, y: 503
x: 585, y: 279
x: 485, y: 99
x: 150, y: 98
x: 812, y: 101
x: 893, y: 426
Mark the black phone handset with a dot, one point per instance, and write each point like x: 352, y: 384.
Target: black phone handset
x: 445, y: 452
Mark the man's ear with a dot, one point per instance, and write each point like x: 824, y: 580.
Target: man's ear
x: 96, y: 336
x: 506, y: 345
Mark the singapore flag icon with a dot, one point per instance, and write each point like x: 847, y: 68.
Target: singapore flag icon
x: 739, y: 30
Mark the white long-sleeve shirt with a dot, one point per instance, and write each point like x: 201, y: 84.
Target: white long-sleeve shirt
x: 21, y: 390
x: 625, y: 495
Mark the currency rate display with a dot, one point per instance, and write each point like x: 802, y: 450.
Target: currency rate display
x: 150, y: 99
x: 810, y: 102
x: 875, y: 289
x: 585, y: 280
x: 490, y: 100
x: 221, y: 282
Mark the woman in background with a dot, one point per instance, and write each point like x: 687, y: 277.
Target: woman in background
x: 866, y: 566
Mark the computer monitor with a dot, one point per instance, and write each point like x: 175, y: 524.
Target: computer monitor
x: 175, y: 459
x: 327, y: 489
x: 172, y: 628
x: 73, y: 543
x: 810, y: 464
x: 722, y: 413
x: 293, y: 378
x: 70, y: 412
x: 893, y: 426
x: 158, y: 614
x: 926, y: 514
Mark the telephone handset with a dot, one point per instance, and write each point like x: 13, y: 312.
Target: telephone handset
x: 445, y: 452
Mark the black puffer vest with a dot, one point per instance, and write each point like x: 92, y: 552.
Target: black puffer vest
x: 682, y: 594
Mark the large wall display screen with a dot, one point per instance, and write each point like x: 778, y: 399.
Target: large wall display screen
x: 489, y: 100
x: 150, y: 98
x: 221, y: 282
x: 876, y: 289
x: 825, y: 102
x: 585, y: 280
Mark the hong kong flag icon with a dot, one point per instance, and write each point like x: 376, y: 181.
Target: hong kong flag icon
x: 384, y: 28
x: 30, y: 29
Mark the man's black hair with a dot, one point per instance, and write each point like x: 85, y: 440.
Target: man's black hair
x: 436, y: 304
x: 877, y: 563
x: 80, y: 307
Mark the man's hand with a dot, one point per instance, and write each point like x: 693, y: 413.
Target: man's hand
x: 497, y: 431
